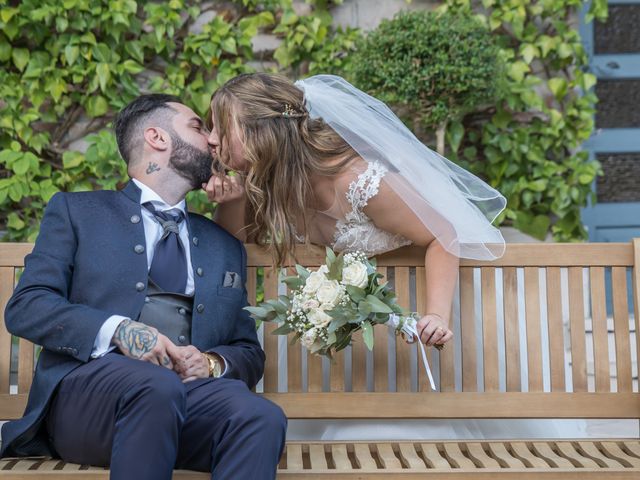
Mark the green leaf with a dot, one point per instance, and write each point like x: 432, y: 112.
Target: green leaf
x: 20, y: 58
x: 15, y: 222
x: 367, y: 334
x: 104, y: 75
x: 536, y: 226
x: 377, y: 305
x: 558, y: 87
x: 71, y: 159
x: 283, y: 329
x: 455, y: 133
x: 21, y: 166
x: 229, y: 45
x: 96, y: 106
x: 5, y: 51
x: 71, y: 53
x: 517, y: 70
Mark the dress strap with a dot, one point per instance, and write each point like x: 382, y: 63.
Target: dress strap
x: 363, y: 188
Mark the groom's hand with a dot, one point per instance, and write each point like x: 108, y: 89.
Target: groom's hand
x: 142, y: 342
x: 225, y: 189
x: 191, y: 365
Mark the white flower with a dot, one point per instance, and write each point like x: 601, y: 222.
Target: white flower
x: 323, y: 269
x: 319, y: 318
x: 309, y: 337
x: 310, y: 304
x: 314, y: 280
x: 330, y: 293
x: 355, y: 274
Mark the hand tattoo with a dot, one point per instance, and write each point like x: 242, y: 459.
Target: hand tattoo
x: 135, y: 338
x: 153, y: 167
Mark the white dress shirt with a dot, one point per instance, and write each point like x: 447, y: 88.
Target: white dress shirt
x: 153, y: 232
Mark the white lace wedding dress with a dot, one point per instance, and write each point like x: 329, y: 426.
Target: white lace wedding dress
x: 354, y: 230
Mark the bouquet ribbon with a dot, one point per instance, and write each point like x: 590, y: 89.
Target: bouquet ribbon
x: 408, y: 327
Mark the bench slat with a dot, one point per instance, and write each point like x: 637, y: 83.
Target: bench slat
x: 387, y: 456
x: 613, y: 450
x: 403, y: 351
x: 7, y: 279
x: 545, y: 451
x: 358, y: 363
x: 504, y: 457
x: 454, y: 454
x: 555, y: 329
x: 341, y: 457
x: 621, y: 329
x: 534, y: 342
x: 635, y: 275
x: 577, y: 326
x: 270, y: 342
x: 511, y: 328
x: 479, y: 456
x: 318, y: 458
x: 410, y: 457
x: 490, y: 330
x: 380, y: 352
x: 421, y: 307
x: 25, y: 365
x: 567, y: 450
x: 591, y: 450
x: 363, y: 457
x: 468, y: 331
x: 599, y: 328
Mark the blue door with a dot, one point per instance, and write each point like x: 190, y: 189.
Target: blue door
x: 614, y: 52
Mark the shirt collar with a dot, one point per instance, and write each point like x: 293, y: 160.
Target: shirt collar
x: 148, y: 195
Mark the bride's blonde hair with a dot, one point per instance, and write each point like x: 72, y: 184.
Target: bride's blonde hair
x: 283, y: 148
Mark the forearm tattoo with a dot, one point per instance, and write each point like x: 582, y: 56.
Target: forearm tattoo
x: 153, y: 167
x: 135, y: 338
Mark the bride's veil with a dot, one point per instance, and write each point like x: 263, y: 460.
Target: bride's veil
x: 453, y: 204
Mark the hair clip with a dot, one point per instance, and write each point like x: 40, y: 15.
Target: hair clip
x: 289, y: 112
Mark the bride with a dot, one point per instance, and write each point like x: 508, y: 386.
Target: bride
x: 321, y: 161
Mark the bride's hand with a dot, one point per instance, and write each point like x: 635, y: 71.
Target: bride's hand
x: 223, y: 190
x: 434, y: 330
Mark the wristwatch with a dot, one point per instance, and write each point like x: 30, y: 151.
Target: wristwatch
x: 215, y: 367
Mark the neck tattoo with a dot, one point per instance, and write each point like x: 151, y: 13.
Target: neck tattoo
x: 153, y: 167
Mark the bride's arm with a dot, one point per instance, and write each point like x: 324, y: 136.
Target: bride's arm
x: 389, y: 212
x: 231, y: 199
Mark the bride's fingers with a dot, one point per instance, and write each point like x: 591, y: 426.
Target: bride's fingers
x: 445, y: 338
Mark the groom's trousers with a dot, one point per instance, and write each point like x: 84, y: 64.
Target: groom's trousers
x: 142, y: 421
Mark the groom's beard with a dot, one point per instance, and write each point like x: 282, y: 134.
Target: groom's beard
x: 189, y: 162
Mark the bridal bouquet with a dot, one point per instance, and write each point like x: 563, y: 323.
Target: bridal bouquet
x: 326, y: 307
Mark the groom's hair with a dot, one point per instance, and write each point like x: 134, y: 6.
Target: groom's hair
x: 145, y: 111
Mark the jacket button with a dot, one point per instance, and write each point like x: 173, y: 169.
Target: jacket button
x: 199, y: 271
x: 135, y: 218
x: 147, y: 299
x: 182, y: 311
x: 138, y: 249
x: 195, y: 241
x: 139, y: 286
x: 200, y: 308
x: 182, y: 339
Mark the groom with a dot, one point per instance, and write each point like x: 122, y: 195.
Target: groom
x: 148, y: 358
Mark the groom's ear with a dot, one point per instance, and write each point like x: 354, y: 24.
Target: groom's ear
x: 157, y: 138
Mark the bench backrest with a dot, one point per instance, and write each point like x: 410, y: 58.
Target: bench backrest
x: 533, y: 340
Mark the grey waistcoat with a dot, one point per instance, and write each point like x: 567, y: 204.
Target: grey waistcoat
x: 170, y: 313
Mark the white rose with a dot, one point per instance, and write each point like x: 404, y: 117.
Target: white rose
x: 308, y: 338
x: 319, y: 318
x: 356, y: 275
x: 310, y: 304
x: 314, y: 280
x: 323, y: 269
x: 329, y: 293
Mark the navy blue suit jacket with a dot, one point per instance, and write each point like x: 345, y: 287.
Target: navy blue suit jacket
x: 84, y: 268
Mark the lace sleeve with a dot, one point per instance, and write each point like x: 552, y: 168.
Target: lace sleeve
x: 363, y: 188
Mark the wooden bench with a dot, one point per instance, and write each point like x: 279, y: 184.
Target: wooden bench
x: 550, y: 295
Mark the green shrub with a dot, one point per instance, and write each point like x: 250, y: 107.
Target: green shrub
x: 434, y: 66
